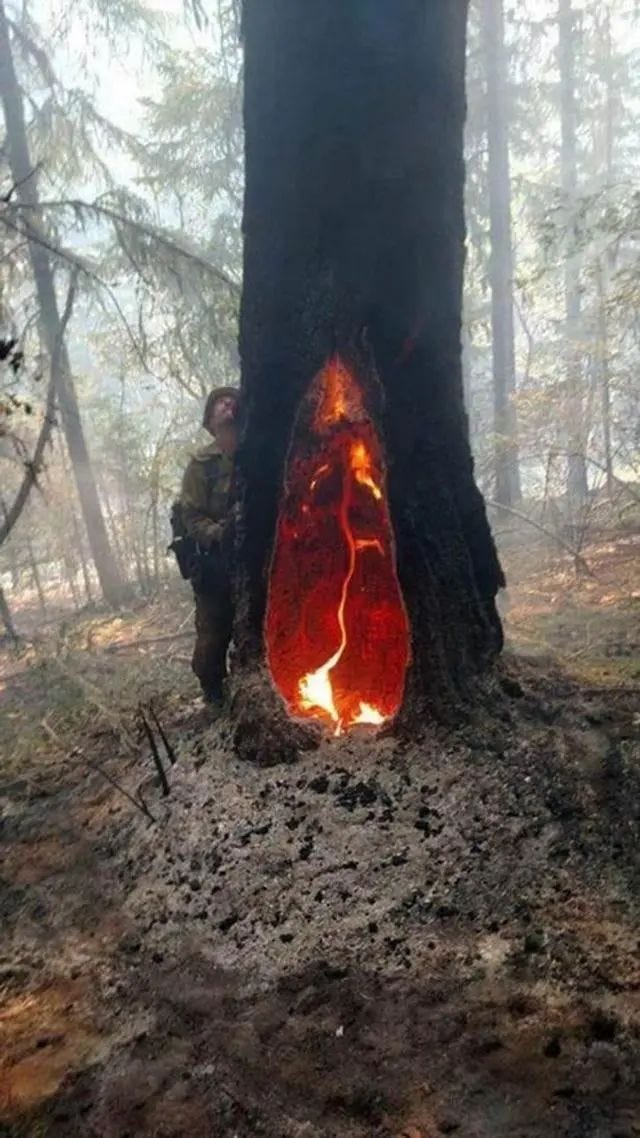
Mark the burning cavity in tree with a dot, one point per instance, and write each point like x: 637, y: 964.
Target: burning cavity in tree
x: 337, y: 633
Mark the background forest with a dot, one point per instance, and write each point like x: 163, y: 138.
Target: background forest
x: 120, y: 271
x: 397, y: 935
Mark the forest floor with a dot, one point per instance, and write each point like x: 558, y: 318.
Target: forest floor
x: 381, y: 940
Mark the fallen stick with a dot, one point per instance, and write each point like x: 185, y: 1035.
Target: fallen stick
x: 555, y: 537
x: 155, y: 754
x: 167, y: 745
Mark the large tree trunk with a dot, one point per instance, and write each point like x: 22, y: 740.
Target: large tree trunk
x: 25, y: 179
x: 577, y: 485
x: 354, y: 246
x: 507, y: 471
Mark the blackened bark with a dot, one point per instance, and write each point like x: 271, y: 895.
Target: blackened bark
x: 354, y: 241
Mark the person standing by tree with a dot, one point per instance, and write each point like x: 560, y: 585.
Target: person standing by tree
x: 205, y: 502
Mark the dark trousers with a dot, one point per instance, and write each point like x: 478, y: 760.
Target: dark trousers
x: 214, y: 624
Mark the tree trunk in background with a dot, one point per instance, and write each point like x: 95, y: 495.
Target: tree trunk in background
x: 77, y: 528
x: 577, y: 486
x: 155, y: 530
x: 35, y: 573
x: 354, y: 243
x: 605, y: 378
x: 86, y: 576
x: 71, y: 581
x: 507, y: 471
x: 25, y: 179
x: 606, y: 263
x: 6, y: 618
x: 9, y: 550
x: 116, y: 542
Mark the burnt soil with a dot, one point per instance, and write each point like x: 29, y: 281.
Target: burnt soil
x: 379, y: 940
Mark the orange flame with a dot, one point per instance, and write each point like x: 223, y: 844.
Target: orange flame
x: 333, y: 590
x: 316, y: 689
x: 361, y: 465
x: 337, y: 399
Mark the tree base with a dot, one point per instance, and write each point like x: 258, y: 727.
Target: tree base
x: 263, y: 732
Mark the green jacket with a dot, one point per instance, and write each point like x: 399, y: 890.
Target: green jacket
x: 206, y: 494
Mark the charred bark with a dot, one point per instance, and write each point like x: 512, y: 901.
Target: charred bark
x: 354, y: 242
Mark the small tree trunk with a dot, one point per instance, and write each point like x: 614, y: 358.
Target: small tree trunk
x: 35, y: 573
x: 507, y: 471
x: 78, y: 537
x: 71, y: 582
x: 25, y: 179
x: 115, y: 532
x: 6, y: 618
x: 607, y: 264
x: 148, y: 582
x: 156, y: 547
x: 577, y: 484
x: 605, y: 382
x: 10, y: 551
x: 86, y: 575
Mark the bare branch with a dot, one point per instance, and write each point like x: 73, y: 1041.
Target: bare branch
x: 164, y: 783
x: 555, y: 537
x: 148, y: 230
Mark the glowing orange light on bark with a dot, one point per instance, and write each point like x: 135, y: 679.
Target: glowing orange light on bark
x: 337, y: 634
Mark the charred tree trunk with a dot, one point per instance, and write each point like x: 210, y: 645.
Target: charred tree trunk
x: 507, y: 470
x: 354, y: 244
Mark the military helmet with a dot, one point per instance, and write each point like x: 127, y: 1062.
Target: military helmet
x: 214, y: 396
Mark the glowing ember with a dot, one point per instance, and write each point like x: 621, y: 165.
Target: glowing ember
x: 361, y: 467
x: 334, y: 594
x: 369, y: 715
x: 316, y: 689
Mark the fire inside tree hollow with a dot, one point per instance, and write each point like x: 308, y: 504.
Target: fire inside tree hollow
x: 337, y: 633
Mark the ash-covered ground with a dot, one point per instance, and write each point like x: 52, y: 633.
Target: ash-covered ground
x: 440, y: 938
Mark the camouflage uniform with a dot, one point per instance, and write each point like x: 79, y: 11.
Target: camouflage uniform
x: 206, y: 501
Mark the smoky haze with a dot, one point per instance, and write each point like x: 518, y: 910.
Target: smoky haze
x: 135, y: 137
x: 121, y: 277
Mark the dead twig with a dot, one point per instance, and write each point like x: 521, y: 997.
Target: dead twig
x: 578, y: 558
x: 171, y: 755
x: 155, y: 754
